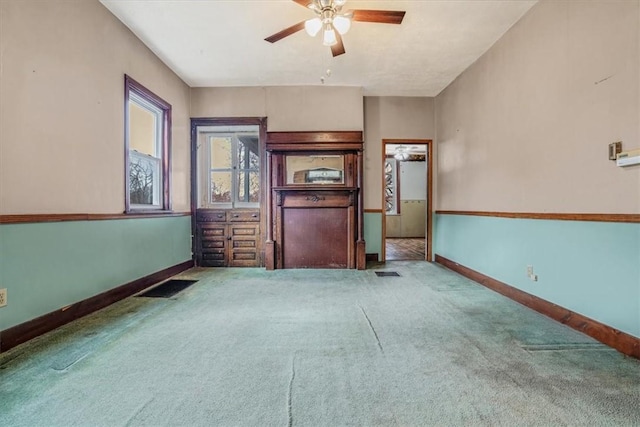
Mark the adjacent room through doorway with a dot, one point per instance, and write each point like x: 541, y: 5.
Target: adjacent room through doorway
x: 407, y: 200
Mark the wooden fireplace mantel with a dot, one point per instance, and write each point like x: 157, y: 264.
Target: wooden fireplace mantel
x: 311, y: 224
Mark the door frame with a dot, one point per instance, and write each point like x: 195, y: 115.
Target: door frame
x: 429, y: 213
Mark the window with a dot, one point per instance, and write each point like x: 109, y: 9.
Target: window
x: 232, y: 166
x: 148, y: 127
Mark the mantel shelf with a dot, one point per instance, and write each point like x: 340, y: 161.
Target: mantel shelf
x: 303, y: 187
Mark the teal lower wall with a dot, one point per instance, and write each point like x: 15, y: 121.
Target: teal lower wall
x: 591, y: 268
x: 47, y: 266
x: 373, y: 233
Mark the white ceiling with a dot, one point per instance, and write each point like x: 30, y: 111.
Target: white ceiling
x: 211, y: 43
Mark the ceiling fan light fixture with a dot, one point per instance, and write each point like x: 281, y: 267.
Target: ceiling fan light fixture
x: 334, y: 22
x: 341, y: 24
x: 329, y: 36
x: 401, y: 153
x: 313, y: 26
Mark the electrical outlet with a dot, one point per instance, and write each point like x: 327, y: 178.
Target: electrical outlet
x: 529, y: 271
x: 3, y: 297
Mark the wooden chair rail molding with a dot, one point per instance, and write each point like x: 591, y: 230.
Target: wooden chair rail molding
x: 35, y: 218
x: 624, y: 343
x: 598, y: 217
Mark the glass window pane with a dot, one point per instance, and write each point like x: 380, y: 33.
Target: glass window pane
x: 144, y: 180
x: 242, y: 155
x: 248, y: 148
x: 254, y: 160
x: 248, y: 186
x: 142, y: 129
x: 220, y: 152
x: 221, y: 187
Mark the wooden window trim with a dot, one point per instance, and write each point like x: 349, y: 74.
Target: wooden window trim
x: 131, y: 85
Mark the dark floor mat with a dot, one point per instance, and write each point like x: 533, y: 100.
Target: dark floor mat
x: 167, y: 289
x: 387, y: 274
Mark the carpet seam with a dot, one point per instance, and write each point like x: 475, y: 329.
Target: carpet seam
x: 375, y: 334
x: 290, y: 392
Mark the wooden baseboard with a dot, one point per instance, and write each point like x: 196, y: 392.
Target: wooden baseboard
x: 23, y: 332
x: 624, y: 343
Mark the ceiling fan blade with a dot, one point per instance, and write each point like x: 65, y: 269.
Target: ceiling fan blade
x: 338, y: 48
x: 286, y: 32
x: 304, y: 3
x: 379, y: 16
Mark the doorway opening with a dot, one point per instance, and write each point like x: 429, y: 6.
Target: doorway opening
x: 407, y: 183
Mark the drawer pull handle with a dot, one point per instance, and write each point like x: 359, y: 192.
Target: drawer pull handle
x: 315, y: 198
x: 220, y: 215
x: 236, y: 215
x: 254, y: 216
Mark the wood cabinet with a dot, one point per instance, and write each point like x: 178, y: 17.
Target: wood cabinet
x: 314, y: 200
x: 228, y: 238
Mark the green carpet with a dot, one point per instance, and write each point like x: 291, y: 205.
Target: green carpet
x: 248, y: 347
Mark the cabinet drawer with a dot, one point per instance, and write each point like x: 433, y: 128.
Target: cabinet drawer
x: 210, y: 245
x: 244, y: 256
x: 244, y: 216
x: 213, y: 256
x: 241, y: 230
x: 211, y: 216
x: 212, y: 232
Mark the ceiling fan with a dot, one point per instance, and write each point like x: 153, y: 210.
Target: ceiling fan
x: 334, y: 23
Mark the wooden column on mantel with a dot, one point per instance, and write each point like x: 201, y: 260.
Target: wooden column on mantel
x: 315, y: 222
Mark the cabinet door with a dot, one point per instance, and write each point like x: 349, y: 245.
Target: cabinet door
x: 213, y: 245
x: 244, y: 248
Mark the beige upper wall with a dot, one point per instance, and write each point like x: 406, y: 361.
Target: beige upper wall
x: 288, y: 108
x: 62, y: 108
x: 526, y: 128
x: 228, y: 102
x: 391, y: 117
